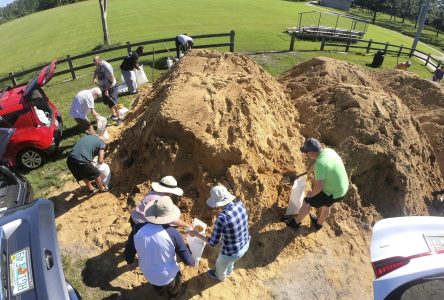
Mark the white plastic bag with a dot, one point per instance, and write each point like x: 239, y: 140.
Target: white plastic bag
x: 123, y: 111
x: 296, y: 197
x: 140, y: 76
x: 196, y: 244
x: 101, y: 127
x: 105, y: 172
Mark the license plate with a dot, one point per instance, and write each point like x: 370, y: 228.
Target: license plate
x: 20, y: 272
x: 435, y: 242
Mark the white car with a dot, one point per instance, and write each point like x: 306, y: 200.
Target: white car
x: 407, y: 255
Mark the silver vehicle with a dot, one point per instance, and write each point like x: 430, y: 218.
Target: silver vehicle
x: 407, y: 256
x: 31, y: 267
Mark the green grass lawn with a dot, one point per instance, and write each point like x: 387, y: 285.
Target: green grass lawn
x: 75, y: 29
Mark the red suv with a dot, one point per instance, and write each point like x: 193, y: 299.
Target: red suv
x: 37, y: 122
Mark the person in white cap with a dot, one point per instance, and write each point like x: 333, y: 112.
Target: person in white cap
x: 157, y: 245
x: 163, y: 189
x: 231, y: 227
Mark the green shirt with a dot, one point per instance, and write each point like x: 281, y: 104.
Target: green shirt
x: 330, y: 169
x: 86, y: 148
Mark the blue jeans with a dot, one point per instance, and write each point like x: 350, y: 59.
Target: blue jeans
x: 225, y: 264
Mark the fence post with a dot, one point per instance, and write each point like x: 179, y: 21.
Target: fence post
x: 400, y: 50
x: 386, y: 47
x: 71, y: 67
x: 12, y: 76
x: 292, y: 42
x: 427, y: 60
x: 232, y: 34
x: 128, y: 46
x: 348, y: 46
x: 369, y: 45
x: 322, y: 44
x: 300, y: 21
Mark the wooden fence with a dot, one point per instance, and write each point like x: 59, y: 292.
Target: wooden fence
x: 429, y: 59
x: 72, y: 68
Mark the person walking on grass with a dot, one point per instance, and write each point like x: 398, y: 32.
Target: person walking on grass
x: 82, y: 104
x: 231, y: 228
x: 330, y: 186
x: 104, y: 78
x: 158, y: 244
x: 80, y: 162
x: 130, y: 63
x: 164, y: 189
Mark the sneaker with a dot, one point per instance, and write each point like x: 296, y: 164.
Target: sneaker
x: 229, y: 273
x: 93, y: 191
x: 285, y: 218
x: 212, y: 274
x: 119, y: 122
x: 292, y: 223
x: 107, y: 188
x: 314, y: 221
x: 114, y: 118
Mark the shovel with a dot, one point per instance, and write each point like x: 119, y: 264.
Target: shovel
x: 290, y: 178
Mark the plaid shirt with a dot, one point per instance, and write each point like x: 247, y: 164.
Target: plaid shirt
x: 232, y: 227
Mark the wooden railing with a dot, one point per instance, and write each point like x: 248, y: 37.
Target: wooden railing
x: 398, y: 50
x: 71, y: 67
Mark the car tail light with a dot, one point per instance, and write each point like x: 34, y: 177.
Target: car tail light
x: 388, y: 265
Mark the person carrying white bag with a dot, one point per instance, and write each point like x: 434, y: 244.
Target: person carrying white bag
x: 130, y: 64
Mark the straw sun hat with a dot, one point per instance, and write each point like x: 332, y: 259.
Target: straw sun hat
x: 162, y: 211
x: 167, y: 184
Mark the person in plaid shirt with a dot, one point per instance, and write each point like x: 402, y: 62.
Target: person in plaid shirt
x: 231, y: 228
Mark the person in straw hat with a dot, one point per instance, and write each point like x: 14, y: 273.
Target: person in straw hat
x: 231, y: 227
x: 157, y: 245
x: 164, y: 189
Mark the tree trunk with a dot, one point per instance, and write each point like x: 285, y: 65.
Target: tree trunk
x: 103, y: 14
x: 374, y: 16
x: 437, y: 33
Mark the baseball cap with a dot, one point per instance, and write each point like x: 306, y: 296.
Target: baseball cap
x: 311, y: 145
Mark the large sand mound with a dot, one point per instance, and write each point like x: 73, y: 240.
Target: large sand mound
x: 219, y: 117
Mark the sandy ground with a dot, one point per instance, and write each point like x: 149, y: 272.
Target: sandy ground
x: 220, y: 118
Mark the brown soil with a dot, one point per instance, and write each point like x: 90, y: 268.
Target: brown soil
x: 219, y: 117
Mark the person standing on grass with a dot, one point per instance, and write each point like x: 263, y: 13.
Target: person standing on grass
x: 183, y: 44
x: 231, y: 227
x: 438, y: 74
x: 82, y: 104
x: 158, y: 244
x: 331, y: 183
x: 80, y: 162
x: 104, y: 78
x: 128, y: 65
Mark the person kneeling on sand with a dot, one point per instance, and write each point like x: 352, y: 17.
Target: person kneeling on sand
x: 331, y: 183
x: 157, y: 245
x: 231, y: 227
x: 80, y: 162
x: 164, y: 189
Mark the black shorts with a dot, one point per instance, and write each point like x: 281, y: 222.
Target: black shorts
x: 82, y: 170
x: 113, y: 96
x: 172, y: 289
x: 321, y: 199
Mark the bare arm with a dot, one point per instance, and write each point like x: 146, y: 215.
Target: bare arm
x: 318, y: 186
x: 181, y: 223
x: 101, y: 156
x: 94, y: 113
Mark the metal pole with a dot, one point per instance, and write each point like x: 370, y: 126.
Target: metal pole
x: 153, y: 67
x: 422, y: 18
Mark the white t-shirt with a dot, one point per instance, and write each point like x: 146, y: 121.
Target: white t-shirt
x: 81, y: 105
x: 184, y: 39
x: 104, y: 72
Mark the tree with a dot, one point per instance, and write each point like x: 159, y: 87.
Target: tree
x: 373, y: 5
x: 103, y: 13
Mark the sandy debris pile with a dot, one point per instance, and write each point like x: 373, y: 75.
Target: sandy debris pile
x: 425, y: 99
x: 389, y: 160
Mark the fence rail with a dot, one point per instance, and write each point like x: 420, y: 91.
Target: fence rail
x: 72, y: 68
x: 428, y: 58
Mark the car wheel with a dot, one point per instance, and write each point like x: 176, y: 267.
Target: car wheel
x: 31, y: 159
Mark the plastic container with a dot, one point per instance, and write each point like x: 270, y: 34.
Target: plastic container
x: 296, y: 197
x: 169, y: 63
x: 196, y: 245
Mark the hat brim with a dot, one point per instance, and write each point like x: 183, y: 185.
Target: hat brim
x: 173, y: 216
x: 303, y: 149
x: 163, y: 189
x: 215, y: 202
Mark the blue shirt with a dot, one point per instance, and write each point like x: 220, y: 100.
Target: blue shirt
x: 231, y: 227
x: 157, y: 246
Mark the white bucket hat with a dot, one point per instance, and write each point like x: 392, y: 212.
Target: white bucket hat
x: 167, y: 184
x: 162, y: 211
x: 219, y: 196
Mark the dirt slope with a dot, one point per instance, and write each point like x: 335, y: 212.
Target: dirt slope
x: 219, y: 117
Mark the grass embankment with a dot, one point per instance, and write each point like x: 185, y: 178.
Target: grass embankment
x: 76, y: 28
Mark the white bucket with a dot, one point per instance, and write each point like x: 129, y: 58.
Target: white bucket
x: 105, y: 172
x: 196, y: 244
x: 140, y: 76
x: 169, y: 63
x: 123, y: 111
x: 296, y: 197
x: 101, y: 127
